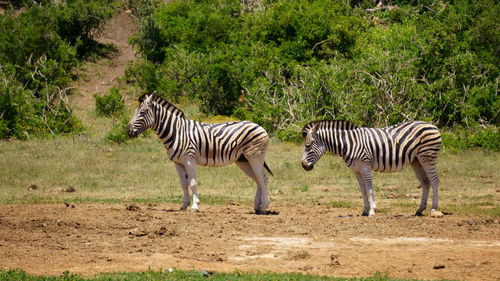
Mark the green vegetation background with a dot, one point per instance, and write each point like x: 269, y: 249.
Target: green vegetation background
x: 277, y: 63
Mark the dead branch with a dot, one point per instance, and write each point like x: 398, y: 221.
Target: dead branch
x: 380, y: 8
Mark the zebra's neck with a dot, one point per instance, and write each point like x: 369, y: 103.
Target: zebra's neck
x: 335, y: 140
x: 168, y: 121
x: 336, y: 135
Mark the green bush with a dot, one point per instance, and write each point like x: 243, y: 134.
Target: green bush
x: 25, y: 113
x: 38, y: 49
x: 287, y: 62
x: 111, y: 104
x: 118, y: 132
x: 461, y: 139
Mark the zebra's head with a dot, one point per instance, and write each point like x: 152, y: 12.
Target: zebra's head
x: 143, y: 117
x: 314, y: 147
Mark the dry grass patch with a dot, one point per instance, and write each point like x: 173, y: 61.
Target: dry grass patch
x: 141, y: 172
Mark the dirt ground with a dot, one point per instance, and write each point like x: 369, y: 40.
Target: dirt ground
x: 91, y: 238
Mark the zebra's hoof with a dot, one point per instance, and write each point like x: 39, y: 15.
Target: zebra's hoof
x: 261, y: 212
x: 419, y: 214
x: 194, y: 210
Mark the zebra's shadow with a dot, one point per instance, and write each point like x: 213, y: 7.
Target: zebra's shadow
x: 267, y: 213
x: 173, y: 210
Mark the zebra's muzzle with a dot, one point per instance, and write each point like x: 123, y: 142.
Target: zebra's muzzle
x: 131, y: 133
x: 307, y: 166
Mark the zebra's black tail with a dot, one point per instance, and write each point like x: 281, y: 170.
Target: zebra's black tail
x: 242, y: 158
x: 267, y: 168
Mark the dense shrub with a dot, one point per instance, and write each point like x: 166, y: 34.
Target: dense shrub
x: 25, y: 112
x: 118, y: 132
x: 283, y: 63
x: 38, y: 48
x: 111, y: 104
x: 464, y: 138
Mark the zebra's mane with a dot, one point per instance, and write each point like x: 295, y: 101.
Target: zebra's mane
x: 331, y: 124
x: 165, y: 104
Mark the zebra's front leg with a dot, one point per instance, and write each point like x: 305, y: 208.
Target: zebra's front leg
x: 181, y: 171
x: 366, y: 173
x: 190, y: 166
x: 366, y: 204
x: 364, y: 177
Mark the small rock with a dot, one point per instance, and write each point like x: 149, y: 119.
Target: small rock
x: 439, y: 266
x: 391, y: 188
x: 470, y: 222
x: 69, y: 205
x: 413, y: 195
x: 32, y: 187
x: 436, y: 214
x: 69, y: 189
x: 138, y: 232
x: 391, y: 196
x: 298, y: 255
x: 334, y: 260
x: 132, y: 207
x: 206, y: 273
x: 167, y: 232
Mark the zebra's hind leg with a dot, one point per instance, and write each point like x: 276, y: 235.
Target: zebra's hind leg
x: 430, y: 171
x: 181, y: 171
x: 424, y: 184
x: 247, y: 169
x: 257, y: 165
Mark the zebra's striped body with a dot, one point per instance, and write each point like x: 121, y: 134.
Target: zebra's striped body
x: 387, y: 149
x: 214, y: 144
x: 190, y: 143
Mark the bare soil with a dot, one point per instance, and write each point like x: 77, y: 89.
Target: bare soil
x: 91, y: 238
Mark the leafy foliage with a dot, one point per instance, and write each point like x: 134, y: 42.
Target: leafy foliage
x: 281, y: 63
x: 38, y: 48
x: 110, y: 104
x: 118, y: 134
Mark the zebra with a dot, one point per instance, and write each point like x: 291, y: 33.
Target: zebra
x: 387, y: 149
x: 190, y: 143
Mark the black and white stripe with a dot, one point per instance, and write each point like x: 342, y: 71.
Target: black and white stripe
x: 387, y: 149
x: 190, y: 143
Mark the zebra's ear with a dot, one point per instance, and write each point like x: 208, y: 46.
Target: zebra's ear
x: 314, y: 129
x: 142, y: 97
x: 154, y: 94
